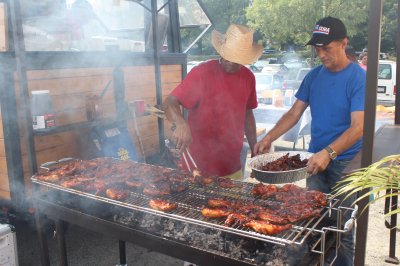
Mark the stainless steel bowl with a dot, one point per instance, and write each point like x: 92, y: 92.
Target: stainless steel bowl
x: 272, y: 177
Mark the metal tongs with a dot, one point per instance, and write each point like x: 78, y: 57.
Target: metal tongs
x: 191, y: 159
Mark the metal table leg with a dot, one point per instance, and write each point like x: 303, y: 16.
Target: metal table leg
x: 61, y: 242
x: 43, y: 248
x: 393, y: 222
x: 122, y: 253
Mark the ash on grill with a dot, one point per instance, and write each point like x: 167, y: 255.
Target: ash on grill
x: 215, y: 241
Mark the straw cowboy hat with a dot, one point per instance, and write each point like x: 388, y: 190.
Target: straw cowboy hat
x: 236, y: 45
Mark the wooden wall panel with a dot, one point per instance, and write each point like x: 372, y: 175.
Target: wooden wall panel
x: 1, y: 130
x: 2, y: 148
x: 3, y: 165
x: 3, y: 28
x: 4, y: 183
x: 5, y: 194
x: 69, y: 88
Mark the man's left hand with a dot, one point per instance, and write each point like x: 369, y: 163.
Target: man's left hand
x: 318, y: 162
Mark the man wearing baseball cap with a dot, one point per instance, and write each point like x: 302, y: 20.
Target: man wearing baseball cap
x: 220, y: 97
x: 335, y: 93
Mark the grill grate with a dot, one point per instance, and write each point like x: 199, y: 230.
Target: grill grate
x: 191, y: 201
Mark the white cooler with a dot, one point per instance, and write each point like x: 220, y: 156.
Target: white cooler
x: 8, y: 246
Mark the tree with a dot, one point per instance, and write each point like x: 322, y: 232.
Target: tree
x: 222, y: 14
x: 292, y: 21
x: 389, y: 26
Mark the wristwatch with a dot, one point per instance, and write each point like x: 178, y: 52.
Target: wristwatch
x: 332, y: 153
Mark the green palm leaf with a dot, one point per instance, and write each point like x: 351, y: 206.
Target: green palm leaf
x: 377, y: 178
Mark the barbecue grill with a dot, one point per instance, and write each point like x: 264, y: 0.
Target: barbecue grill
x: 311, y: 233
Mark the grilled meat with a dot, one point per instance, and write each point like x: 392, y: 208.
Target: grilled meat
x: 134, y: 182
x: 226, y: 182
x: 199, y: 178
x: 220, y: 203
x: 272, y: 216
x: 285, y: 163
x: 317, y: 197
x: 48, y: 177
x: 178, y: 186
x: 299, y: 212
x: 162, y: 205
x: 158, y: 189
x: 264, y: 191
x: 116, y: 193
x: 215, y: 213
x: 267, y: 228
x: 236, y: 219
x: 178, y: 181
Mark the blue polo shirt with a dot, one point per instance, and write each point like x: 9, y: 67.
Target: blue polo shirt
x: 332, y: 97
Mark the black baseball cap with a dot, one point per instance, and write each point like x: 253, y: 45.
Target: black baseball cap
x: 327, y: 30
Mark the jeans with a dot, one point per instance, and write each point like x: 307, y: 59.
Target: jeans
x: 324, y: 182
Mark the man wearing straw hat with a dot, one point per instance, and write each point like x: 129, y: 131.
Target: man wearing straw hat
x: 220, y: 97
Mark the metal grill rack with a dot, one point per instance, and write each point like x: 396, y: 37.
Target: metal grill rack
x: 191, y: 201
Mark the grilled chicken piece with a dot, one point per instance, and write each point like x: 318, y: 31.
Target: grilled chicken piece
x: 264, y: 191
x: 157, y: 189
x: 134, y: 182
x: 179, y: 181
x: 71, y: 183
x: 226, y: 182
x: 97, y: 186
x: 293, y: 189
x: 250, y: 210
x: 215, y: 213
x: 162, y: 205
x: 236, y: 219
x: 116, y: 193
x: 199, y: 178
x: 76, y: 181
x: 266, y: 228
x: 47, y: 177
x: 178, y: 186
x: 157, y: 177
x: 318, y: 197
x: 220, y: 203
x: 272, y: 216
x: 299, y: 212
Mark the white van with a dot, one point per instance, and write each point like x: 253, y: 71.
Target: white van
x: 386, y: 81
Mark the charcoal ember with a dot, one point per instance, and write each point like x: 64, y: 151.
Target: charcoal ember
x: 213, y: 246
x: 261, y: 257
x: 243, y: 249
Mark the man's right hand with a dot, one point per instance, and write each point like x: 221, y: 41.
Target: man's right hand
x: 263, y: 146
x: 182, y: 137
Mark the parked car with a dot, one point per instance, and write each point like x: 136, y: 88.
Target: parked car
x: 270, y: 51
x: 259, y: 65
x: 386, y: 81
x: 294, y: 83
x: 266, y: 84
x: 192, y: 64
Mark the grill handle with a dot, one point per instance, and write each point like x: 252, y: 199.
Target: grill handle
x: 47, y: 165
x: 350, y: 223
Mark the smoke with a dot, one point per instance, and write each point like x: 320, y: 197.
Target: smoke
x: 82, y: 25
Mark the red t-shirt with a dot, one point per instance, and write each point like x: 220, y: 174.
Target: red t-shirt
x: 217, y: 103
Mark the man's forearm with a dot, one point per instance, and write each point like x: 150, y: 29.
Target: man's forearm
x: 250, y: 130
x: 346, y: 140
